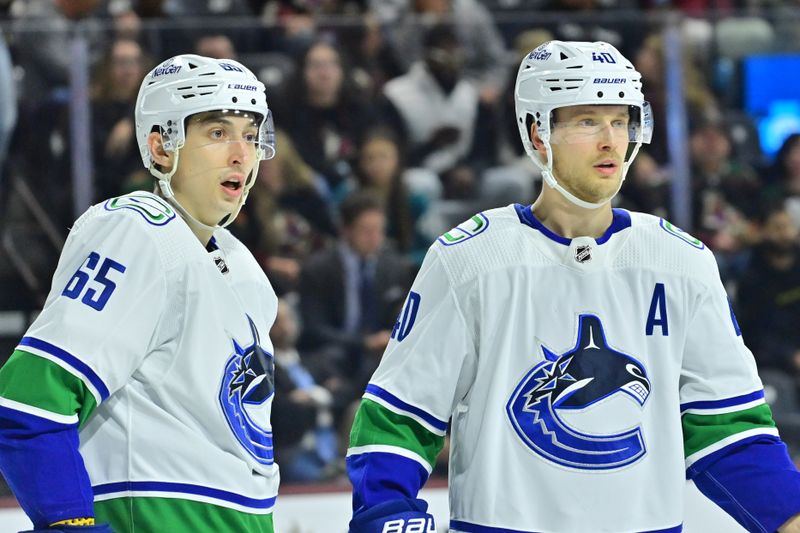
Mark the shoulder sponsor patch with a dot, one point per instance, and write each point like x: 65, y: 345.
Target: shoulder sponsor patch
x: 466, y: 230
x: 682, y: 235
x: 154, y: 210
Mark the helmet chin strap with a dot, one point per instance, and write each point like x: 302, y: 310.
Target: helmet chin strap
x: 165, y: 187
x: 550, y: 179
x: 251, y: 179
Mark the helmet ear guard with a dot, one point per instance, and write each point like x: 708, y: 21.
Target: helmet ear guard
x: 562, y: 74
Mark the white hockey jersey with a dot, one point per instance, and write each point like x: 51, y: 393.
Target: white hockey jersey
x: 172, y: 340
x: 563, y: 367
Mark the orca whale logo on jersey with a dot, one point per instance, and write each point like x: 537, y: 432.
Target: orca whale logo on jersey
x: 247, y: 389
x: 578, y: 379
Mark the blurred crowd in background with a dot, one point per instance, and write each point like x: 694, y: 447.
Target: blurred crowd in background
x: 395, y: 122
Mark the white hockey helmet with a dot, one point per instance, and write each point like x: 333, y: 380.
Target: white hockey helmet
x: 188, y: 84
x: 561, y: 74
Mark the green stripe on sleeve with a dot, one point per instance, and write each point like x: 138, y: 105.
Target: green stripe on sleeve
x: 374, y: 424
x: 702, y: 431
x: 39, y: 382
x: 151, y: 515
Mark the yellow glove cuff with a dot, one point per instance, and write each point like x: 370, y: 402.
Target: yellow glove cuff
x: 74, y: 522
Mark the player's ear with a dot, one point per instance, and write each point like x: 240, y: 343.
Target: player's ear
x: 160, y: 156
x: 538, y: 143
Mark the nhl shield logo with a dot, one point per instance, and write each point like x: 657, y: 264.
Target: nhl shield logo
x: 220, y: 262
x: 583, y: 254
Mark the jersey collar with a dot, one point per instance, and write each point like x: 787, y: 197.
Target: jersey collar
x: 621, y: 220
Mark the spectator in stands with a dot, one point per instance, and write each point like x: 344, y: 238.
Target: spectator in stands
x: 723, y: 194
x: 44, y: 52
x: 787, y: 163
x: 287, y: 219
x: 768, y: 296
x: 117, y: 166
x: 215, y: 45
x: 351, y: 293
x: 647, y: 187
x: 787, y: 30
x: 381, y: 170
x: 127, y: 23
x: 785, y: 176
x: 374, y: 60
x: 589, y: 24
x: 484, y: 54
x: 324, y: 114
x: 302, y: 418
x: 44, y: 42
x: 207, y: 8
x: 296, y: 24
x: 649, y: 60
x: 436, y: 111
x: 223, y: 13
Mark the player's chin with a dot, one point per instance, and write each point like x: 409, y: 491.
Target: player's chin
x: 601, y: 195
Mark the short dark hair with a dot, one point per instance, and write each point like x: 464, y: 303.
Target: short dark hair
x: 767, y: 207
x: 440, y: 36
x: 356, y: 204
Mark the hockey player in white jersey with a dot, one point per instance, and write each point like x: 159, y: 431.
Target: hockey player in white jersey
x: 139, y: 399
x: 585, y: 358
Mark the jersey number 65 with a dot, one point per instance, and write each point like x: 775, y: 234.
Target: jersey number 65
x: 76, y: 285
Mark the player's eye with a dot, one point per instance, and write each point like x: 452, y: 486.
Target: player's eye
x: 250, y: 137
x: 620, y: 123
x: 217, y: 133
x: 587, y: 122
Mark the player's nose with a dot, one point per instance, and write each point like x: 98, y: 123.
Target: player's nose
x: 238, y: 152
x: 606, y: 139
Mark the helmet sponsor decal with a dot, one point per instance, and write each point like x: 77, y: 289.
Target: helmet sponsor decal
x: 610, y: 80
x: 539, y: 55
x: 166, y: 69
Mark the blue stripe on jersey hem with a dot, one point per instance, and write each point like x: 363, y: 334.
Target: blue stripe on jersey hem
x: 621, y: 220
x: 727, y: 402
x: 400, y: 404
x: 182, y: 488
x: 475, y: 528
x: 71, y: 360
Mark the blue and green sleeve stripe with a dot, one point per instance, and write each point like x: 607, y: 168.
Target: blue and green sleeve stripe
x: 42, y: 405
x: 736, y: 458
x: 393, y: 447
